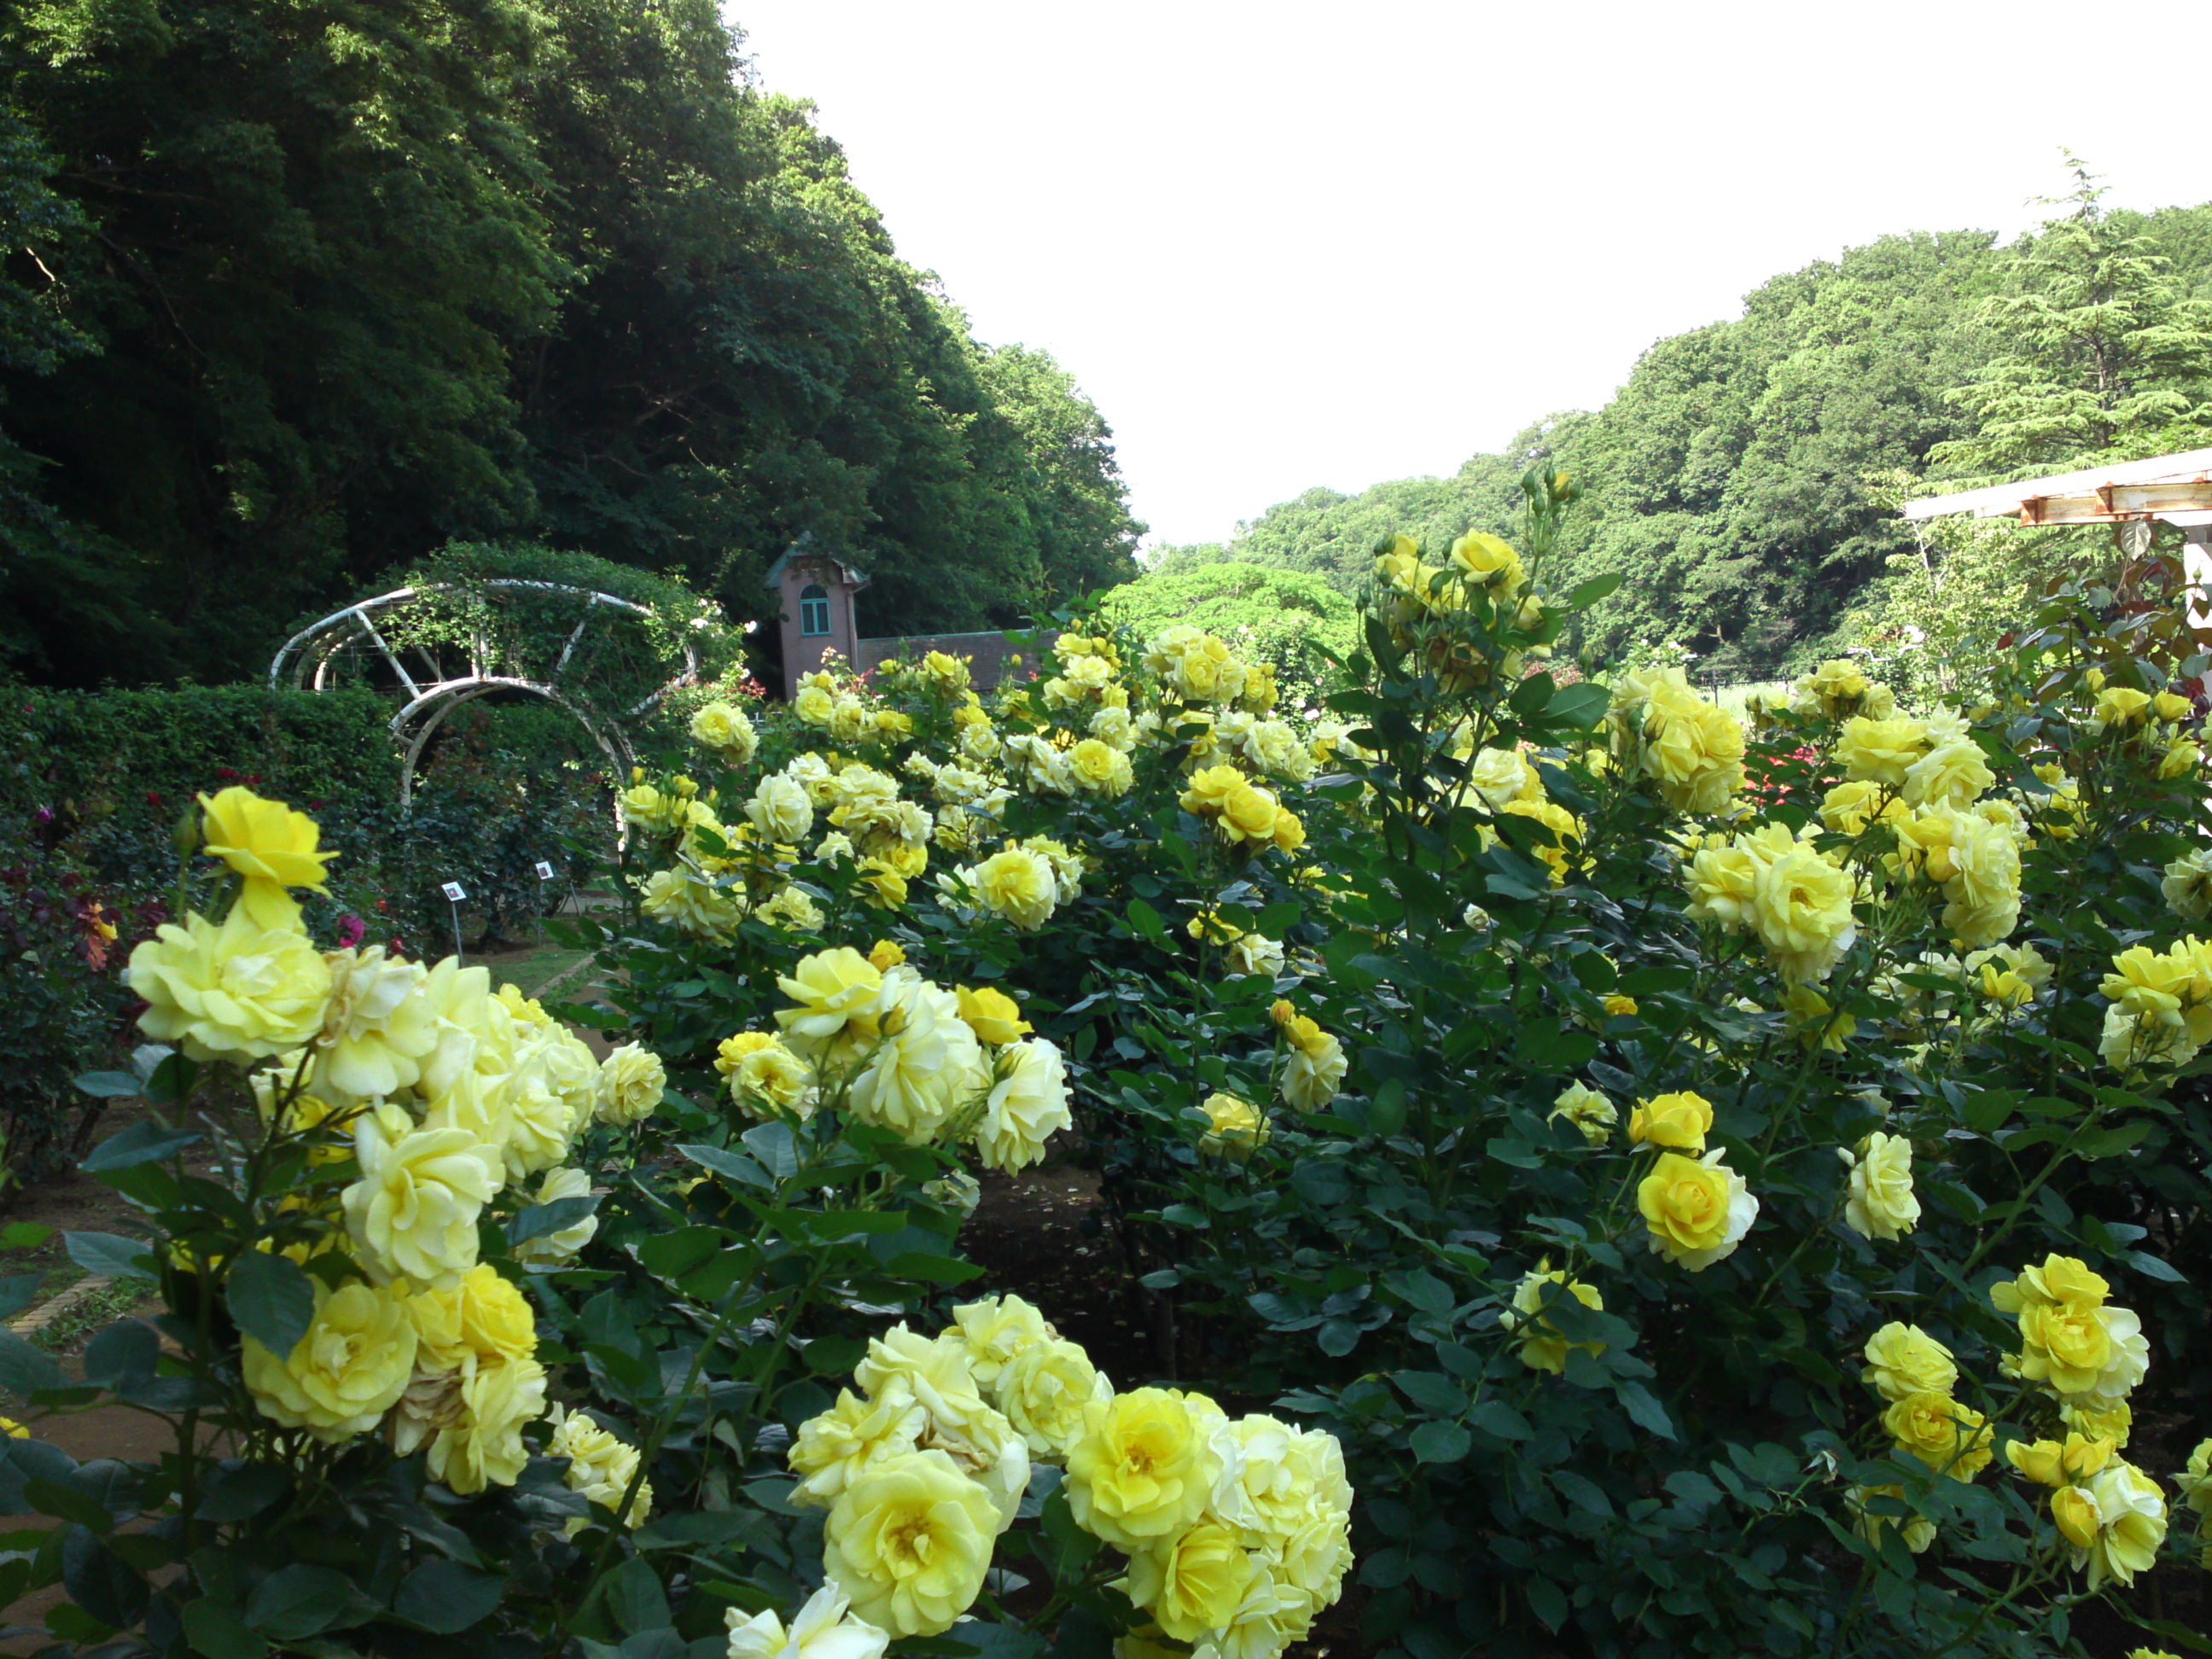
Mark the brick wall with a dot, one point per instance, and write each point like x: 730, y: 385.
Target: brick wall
x: 987, y: 654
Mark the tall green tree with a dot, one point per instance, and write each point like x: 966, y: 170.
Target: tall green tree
x: 2106, y: 350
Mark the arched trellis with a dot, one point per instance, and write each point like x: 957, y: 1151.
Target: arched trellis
x: 308, y: 657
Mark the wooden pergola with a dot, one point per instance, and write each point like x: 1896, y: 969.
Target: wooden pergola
x: 2176, y: 489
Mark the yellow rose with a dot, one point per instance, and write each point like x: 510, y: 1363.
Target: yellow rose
x: 2098, y: 1419
x: 1948, y: 1438
x: 2119, y: 705
x: 1619, y: 1007
x: 727, y: 730
x: 600, y: 1467
x: 2171, y: 706
x: 1849, y: 807
x: 1952, y: 774
x: 1881, y: 1203
x: 780, y: 809
x: 1026, y: 1107
x: 483, y: 1447
x: 1191, y: 1584
x: 1904, y: 1359
x: 1018, y: 885
x: 1801, y: 906
x: 2181, y: 761
x: 2074, y: 1511
x: 554, y: 1249
x: 1881, y: 752
x: 1247, y: 815
x: 1680, y: 1121
x: 2048, y: 1463
x: 1206, y: 793
x: 1542, y: 1347
x: 731, y: 1050
x: 645, y: 807
x: 1099, y: 768
x: 993, y: 1016
x: 345, y: 1373
x: 236, y: 992
x: 413, y: 1212
x: 772, y: 1075
x: 1693, y: 748
x: 1238, y: 1126
x: 263, y: 840
x: 1484, y: 561
x: 2060, y: 1278
x: 837, y: 992
x: 908, y: 1542
x: 1043, y: 1389
x: 1142, y: 1467
x: 837, y: 1447
x: 1589, y: 1110
x: 1290, y: 831
x: 2131, y: 1525
x: 1563, y: 824
x: 631, y: 1084
x: 814, y: 704
x: 1695, y: 1213
x: 2078, y: 1348
x: 1313, y: 1071
x: 483, y: 1316
x: 948, y: 673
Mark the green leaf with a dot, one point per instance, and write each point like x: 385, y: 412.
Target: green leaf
x: 113, y: 1085
x: 540, y: 1220
x: 773, y: 1145
x: 1441, y: 1442
x: 1580, y: 706
x: 216, y: 1631
x: 735, y: 1165
x: 671, y: 1254
x: 1147, y: 923
x: 18, y: 1292
x: 298, y: 1600
x: 68, y: 1503
x: 271, y: 1299
x: 146, y: 1142
x: 24, y: 1371
x: 445, y: 1597
x: 124, y: 1354
x: 110, y: 1255
x: 635, y: 1596
x: 101, y: 1581
x: 2151, y: 1266
x: 932, y: 1269
x: 1496, y: 1417
x: 1643, y: 1409
x: 1589, y: 593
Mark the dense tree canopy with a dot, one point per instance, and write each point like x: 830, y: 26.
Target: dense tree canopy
x: 295, y: 292
x: 1744, y: 478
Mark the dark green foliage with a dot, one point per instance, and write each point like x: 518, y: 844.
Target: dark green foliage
x: 306, y: 289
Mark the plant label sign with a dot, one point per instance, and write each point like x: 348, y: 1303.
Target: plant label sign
x: 545, y: 871
x: 454, y: 891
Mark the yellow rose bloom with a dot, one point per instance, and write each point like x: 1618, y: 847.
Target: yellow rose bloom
x: 2131, y: 1525
x: 2074, y: 1511
x: 1589, y: 1110
x: 483, y: 1447
x: 1026, y: 1107
x: 725, y: 730
x: 2098, y: 1419
x: 1043, y: 1389
x: 412, y: 1214
x: 836, y: 993
x: 1693, y: 748
x: 1486, y: 560
x: 631, y: 1082
x: 1881, y: 752
x: 350, y: 1369
x: 1881, y: 1203
x: 1191, y: 1584
x: 887, y: 953
x: 948, y: 673
x: 1100, y: 769
x: 2048, y: 1463
x: 1238, y: 1126
x: 780, y: 810
x: 263, y: 840
x: 1695, y: 1213
x: 1948, y: 1438
x: 1801, y: 906
x: 1904, y: 1359
x: 837, y: 1447
x: 1680, y: 1121
x: 731, y: 1050
x: 2119, y: 705
x: 600, y: 1467
x: 2060, y: 1278
x: 910, y: 1541
x: 1020, y: 885
x: 1142, y: 1470
x: 483, y: 1316
x: 2080, y: 1348
x: 1206, y: 793
x: 237, y: 992
x: 994, y: 1017
x: 1542, y: 1347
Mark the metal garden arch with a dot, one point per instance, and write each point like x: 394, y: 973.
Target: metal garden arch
x: 308, y: 657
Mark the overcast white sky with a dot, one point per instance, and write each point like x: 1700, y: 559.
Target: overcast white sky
x: 1282, y: 245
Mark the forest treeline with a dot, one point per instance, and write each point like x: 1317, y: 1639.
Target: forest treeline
x: 1745, y: 479
x: 296, y: 291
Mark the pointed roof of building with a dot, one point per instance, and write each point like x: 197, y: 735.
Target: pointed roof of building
x: 807, y: 547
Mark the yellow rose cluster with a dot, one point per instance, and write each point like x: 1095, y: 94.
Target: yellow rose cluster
x: 1781, y: 887
x: 900, y: 1052
x: 1244, y: 814
x: 446, y: 1094
x: 1314, y: 1069
x: 1438, y: 609
x: 1696, y: 1210
x: 2085, y: 1356
x: 1690, y: 748
x: 2161, y: 1005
